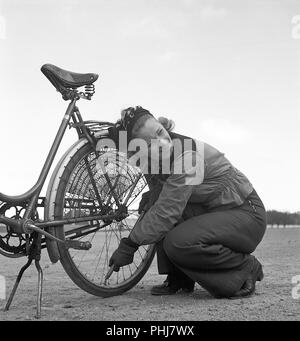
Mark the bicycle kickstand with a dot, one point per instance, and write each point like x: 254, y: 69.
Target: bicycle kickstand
x: 40, y: 289
x: 11, y: 296
x: 34, y: 254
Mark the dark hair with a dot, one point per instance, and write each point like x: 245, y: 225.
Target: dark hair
x: 132, y: 120
x: 139, y: 116
x: 168, y: 124
x: 131, y: 115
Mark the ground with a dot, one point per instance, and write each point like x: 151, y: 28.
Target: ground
x: 62, y: 300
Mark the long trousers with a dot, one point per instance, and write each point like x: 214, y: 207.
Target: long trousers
x: 213, y: 247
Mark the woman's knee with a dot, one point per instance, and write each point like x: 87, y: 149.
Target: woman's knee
x: 181, y: 249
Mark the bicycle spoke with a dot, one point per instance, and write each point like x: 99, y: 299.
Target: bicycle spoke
x: 99, y: 258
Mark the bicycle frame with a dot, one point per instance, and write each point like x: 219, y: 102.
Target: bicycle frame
x: 28, y: 227
x: 31, y: 197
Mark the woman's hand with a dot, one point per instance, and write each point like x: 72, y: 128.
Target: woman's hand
x: 124, y: 254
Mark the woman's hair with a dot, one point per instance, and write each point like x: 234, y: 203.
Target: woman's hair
x: 168, y: 124
x: 134, y: 118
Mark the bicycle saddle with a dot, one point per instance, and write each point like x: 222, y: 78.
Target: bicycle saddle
x: 67, y: 79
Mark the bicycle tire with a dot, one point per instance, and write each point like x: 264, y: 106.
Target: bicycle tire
x: 76, y: 275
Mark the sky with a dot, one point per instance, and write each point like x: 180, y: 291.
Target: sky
x: 227, y: 72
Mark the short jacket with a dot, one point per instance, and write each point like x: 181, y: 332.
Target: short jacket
x: 209, y: 179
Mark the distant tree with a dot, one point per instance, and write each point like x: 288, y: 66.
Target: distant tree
x: 283, y: 218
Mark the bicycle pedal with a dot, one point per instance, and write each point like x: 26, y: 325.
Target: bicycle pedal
x: 78, y: 245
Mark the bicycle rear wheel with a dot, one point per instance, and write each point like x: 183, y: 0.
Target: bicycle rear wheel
x: 81, y: 189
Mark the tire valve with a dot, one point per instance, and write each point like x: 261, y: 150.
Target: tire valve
x: 108, y: 275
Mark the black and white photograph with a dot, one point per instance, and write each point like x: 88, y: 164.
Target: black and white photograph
x: 150, y: 156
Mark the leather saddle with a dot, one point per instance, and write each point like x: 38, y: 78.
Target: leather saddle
x: 66, y: 79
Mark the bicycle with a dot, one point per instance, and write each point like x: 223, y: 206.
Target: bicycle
x: 87, y: 209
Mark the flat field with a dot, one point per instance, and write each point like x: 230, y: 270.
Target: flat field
x: 62, y: 300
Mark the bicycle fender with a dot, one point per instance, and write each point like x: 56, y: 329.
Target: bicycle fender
x: 52, y: 247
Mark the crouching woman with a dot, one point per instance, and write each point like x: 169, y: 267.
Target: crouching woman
x: 206, y: 220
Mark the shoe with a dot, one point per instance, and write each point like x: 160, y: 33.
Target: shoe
x: 172, y: 285
x: 248, y: 287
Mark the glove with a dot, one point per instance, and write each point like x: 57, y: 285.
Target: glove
x: 124, y: 254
